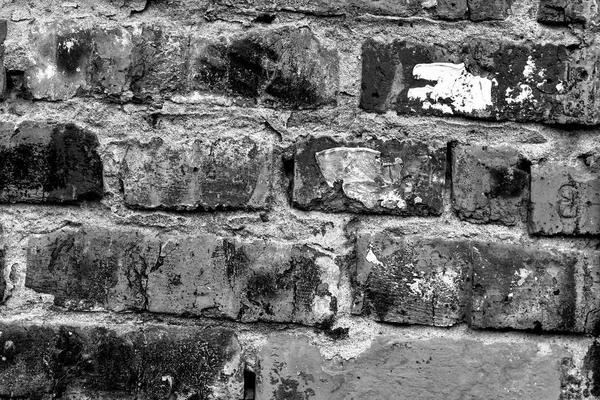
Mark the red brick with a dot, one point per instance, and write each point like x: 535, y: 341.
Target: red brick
x: 48, y: 163
x: 428, y: 369
x: 484, y: 10
x: 206, y: 174
x: 489, y: 184
x: 412, y: 280
x: 452, y: 9
x: 200, y: 275
x: 563, y: 12
x: 564, y: 200
x: 155, y: 362
x: 375, y: 176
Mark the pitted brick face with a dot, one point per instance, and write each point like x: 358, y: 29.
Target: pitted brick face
x: 416, y: 281
x: 49, y: 163
x: 564, y: 200
x: 377, y: 176
x: 489, y: 184
x: 563, y: 12
x: 226, y: 173
x: 500, y: 80
x: 98, y: 362
x: 203, y: 275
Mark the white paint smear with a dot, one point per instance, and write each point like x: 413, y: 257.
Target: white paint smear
x: 464, y: 91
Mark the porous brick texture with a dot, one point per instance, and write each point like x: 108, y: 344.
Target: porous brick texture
x: 299, y: 199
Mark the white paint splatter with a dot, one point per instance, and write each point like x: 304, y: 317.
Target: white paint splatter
x: 372, y: 258
x: 522, y: 274
x: 465, y: 91
x: 529, y: 68
x: 526, y: 93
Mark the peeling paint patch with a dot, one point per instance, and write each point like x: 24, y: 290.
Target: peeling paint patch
x: 455, y: 88
x: 525, y: 94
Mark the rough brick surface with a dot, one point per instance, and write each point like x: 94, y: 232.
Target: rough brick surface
x: 489, y: 184
x: 519, y: 288
x: 152, y: 362
x: 202, y: 275
x: 3, y: 31
x: 502, y: 80
x: 452, y: 9
x: 559, y: 12
x: 284, y: 67
x: 564, y: 200
x: 226, y: 173
x: 412, y: 281
x: 482, y: 10
x: 416, y: 369
x: 42, y: 162
x: 375, y: 176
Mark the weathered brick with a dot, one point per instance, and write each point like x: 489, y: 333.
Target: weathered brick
x: 151, y: 362
x: 2, y: 266
x: 502, y: 80
x: 284, y: 67
x: 489, y: 184
x: 413, y: 281
x: 564, y: 200
x: 201, y: 275
x: 565, y: 11
x: 375, y: 176
x: 482, y: 10
x: 452, y: 9
x: 208, y: 174
x: 329, y: 8
x: 289, y: 67
x: 392, y: 367
x: 44, y: 162
x: 520, y: 288
x: 3, y: 31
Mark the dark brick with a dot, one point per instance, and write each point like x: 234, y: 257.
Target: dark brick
x: 489, y: 184
x: 208, y: 174
x: 152, y: 362
x: 43, y: 162
x: 412, y: 281
x: 484, y: 10
x: 520, y: 288
x: 452, y: 9
x: 282, y: 67
x: 374, y: 176
x: 2, y: 267
x: 558, y: 12
x: 3, y: 30
x: 501, y: 80
x: 203, y: 275
x: 431, y: 368
x: 286, y: 67
x: 564, y: 200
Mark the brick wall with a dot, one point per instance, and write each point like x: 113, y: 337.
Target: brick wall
x: 293, y: 199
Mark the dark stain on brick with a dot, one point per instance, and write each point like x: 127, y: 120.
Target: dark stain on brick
x: 591, y: 363
x: 249, y: 60
x: 72, y: 51
x: 508, y: 182
x: 236, y: 261
x: 307, y: 275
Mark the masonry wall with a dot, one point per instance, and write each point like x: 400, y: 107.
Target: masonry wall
x: 298, y: 199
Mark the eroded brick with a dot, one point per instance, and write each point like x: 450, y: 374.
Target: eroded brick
x: 418, y: 369
x: 489, y: 184
x: 521, y: 288
x: 202, y: 275
x: 502, y: 80
x: 452, y: 9
x: 375, y: 176
x: 565, y: 11
x: 207, y: 174
x: 483, y: 10
x: 564, y: 200
x: 154, y: 362
x: 3, y: 30
x: 43, y: 162
x: 412, y: 281
x: 279, y: 67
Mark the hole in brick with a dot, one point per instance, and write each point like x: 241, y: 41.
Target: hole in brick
x: 249, y: 384
x: 265, y: 18
x: 15, y: 84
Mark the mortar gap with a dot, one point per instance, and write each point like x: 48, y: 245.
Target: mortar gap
x: 249, y: 384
